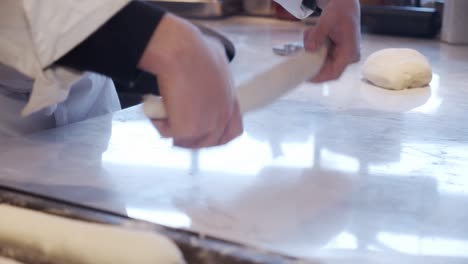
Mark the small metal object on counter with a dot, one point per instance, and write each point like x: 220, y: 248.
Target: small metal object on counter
x: 197, y: 248
x: 201, y: 8
x: 288, y: 49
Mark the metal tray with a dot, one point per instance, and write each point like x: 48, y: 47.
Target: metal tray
x: 197, y: 248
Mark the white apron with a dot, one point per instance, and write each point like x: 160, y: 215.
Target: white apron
x: 92, y: 95
x: 34, y: 34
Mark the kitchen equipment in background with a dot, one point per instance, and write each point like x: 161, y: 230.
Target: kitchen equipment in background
x: 269, y: 8
x: 259, y: 7
x: 455, y: 22
x: 411, y: 21
x: 392, y: 2
x: 201, y: 8
x: 221, y: 8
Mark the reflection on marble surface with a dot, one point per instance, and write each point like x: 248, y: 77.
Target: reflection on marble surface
x: 341, y: 171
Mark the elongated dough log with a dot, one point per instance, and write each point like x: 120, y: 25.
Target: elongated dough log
x: 264, y: 88
x: 75, y: 242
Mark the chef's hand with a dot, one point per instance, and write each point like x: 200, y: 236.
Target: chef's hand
x: 339, y: 22
x: 195, y: 84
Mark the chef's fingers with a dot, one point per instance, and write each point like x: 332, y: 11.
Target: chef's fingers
x: 234, y: 128
x: 316, y: 36
x: 189, y: 143
x: 327, y: 67
x: 219, y: 136
x: 211, y: 139
x: 163, y: 127
x: 308, y: 35
x: 208, y: 139
x: 232, y: 133
x: 337, y: 60
x: 195, y: 142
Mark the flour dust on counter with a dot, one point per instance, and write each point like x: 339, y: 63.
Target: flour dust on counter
x: 397, y: 69
x: 61, y: 240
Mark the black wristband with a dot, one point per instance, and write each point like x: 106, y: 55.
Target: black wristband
x: 115, y: 49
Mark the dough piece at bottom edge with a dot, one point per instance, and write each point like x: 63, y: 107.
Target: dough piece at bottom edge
x: 71, y: 241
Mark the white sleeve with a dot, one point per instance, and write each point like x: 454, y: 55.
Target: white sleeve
x: 296, y: 8
x: 40, y: 32
x: 58, y: 26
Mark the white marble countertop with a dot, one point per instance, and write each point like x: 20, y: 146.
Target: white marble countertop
x: 340, y: 171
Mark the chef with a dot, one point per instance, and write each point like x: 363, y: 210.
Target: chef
x: 57, y: 58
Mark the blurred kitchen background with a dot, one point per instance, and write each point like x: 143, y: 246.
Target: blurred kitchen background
x: 414, y: 18
x: 425, y: 19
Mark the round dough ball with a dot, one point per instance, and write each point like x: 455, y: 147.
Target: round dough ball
x: 397, y: 69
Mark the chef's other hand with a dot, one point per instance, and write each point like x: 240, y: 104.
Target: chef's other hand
x: 339, y: 22
x: 195, y: 83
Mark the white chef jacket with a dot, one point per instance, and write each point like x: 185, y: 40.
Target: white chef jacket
x: 295, y: 8
x: 35, y: 33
